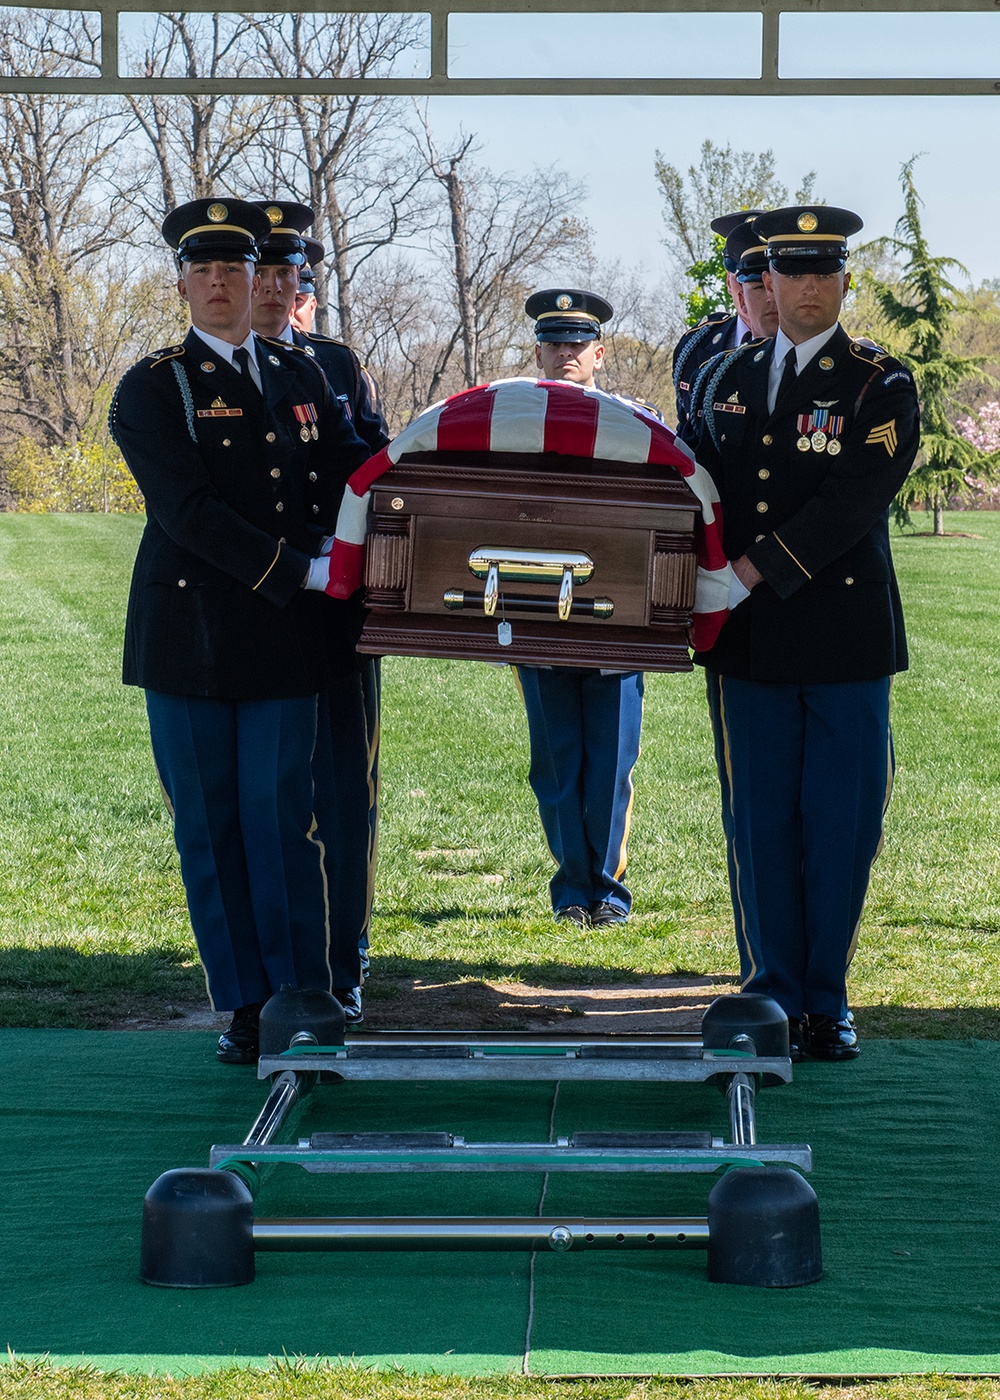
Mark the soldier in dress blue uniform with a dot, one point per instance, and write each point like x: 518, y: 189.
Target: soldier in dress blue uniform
x: 306, y: 305
x: 241, y: 452
x: 583, y: 724
x: 809, y: 436
x: 346, y: 759
x: 720, y: 330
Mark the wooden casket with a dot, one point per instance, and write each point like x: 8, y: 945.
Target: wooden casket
x: 536, y: 560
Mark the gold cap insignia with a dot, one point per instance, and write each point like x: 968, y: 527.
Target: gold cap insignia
x: 807, y: 223
x: 274, y: 214
x: 217, y: 213
x: 826, y: 362
x: 564, y: 302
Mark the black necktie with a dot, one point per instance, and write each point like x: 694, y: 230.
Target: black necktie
x: 788, y: 374
x: 241, y: 359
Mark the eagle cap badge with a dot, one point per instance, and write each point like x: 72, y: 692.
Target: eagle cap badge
x: 217, y: 213
x: 807, y: 222
x: 564, y: 302
x: 274, y: 214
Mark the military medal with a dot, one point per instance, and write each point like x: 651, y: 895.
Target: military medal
x: 819, y: 430
x: 306, y: 415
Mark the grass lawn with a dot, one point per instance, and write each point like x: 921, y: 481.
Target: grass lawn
x: 92, y: 918
x: 93, y: 924
x: 291, y: 1381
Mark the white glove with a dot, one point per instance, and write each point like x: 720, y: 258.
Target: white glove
x: 737, y: 592
x: 319, y: 574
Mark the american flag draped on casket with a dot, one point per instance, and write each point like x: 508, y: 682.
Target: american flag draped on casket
x: 540, y: 416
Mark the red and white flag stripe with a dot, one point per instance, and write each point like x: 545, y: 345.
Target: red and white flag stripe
x: 532, y: 415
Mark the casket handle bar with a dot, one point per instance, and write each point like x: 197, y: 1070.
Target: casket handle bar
x: 456, y: 598
x: 502, y: 565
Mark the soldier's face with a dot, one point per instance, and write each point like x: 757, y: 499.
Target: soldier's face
x: 304, y: 311
x: 576, y: 361
x: 219, y: 295
x: 807, y: 304
x: 757, y: 308
x: 276, y: 294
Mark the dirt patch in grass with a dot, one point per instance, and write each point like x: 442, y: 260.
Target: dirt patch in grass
x: 669, y: 1003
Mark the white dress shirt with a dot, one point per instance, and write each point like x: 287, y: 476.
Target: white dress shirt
x: 224, y: 349
x: 804, y: 352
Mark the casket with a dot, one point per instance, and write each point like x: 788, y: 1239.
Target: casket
x: 536, y: 559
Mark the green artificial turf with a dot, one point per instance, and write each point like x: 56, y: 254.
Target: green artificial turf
x: 902, y: 1142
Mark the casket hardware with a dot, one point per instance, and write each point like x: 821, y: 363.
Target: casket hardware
x: 458, y: 598
x: 501, y: 565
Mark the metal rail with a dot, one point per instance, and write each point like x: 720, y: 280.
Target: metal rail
x: 438, y: 83
x: 472, y: 1232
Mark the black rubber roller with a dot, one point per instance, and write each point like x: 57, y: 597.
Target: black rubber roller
x: 749, y: 1014
x: 293, y: 1010
x: 763, y: 1229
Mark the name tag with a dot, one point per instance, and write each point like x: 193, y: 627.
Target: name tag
x: 220, y: 413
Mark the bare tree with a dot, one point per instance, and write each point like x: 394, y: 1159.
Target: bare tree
x: 498, y: 231
x: 197, y: 142
x: 352, y: 159
x: 62, y: 217
x: 722, y: 181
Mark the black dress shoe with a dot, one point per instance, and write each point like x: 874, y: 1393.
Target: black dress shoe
x: 572, y: 914
x: 604, y: 913
x: 238, y: 1043
x: 350, y: 1000
x: 795, y: 1039
x: 828, y: 1039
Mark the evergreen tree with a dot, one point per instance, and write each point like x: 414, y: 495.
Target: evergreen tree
x: 922, y: 309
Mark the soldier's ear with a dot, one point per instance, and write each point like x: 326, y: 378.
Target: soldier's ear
x: 182, y: 288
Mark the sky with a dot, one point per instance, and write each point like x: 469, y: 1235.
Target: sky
x: 855, y: 145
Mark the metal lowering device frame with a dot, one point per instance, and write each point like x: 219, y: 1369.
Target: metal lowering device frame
x: 762, y: 1223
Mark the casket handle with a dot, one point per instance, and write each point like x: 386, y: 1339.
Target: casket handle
x: 492, y: 590
x: 565, y: 605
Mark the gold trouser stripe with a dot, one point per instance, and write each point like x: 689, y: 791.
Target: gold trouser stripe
x: 623, y: 849
x: 270, y: 566
x: 374, y: 782
x: 321, y: 849
x: 727, y: 754
x: 791, y: 556
x: 881, y: 838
